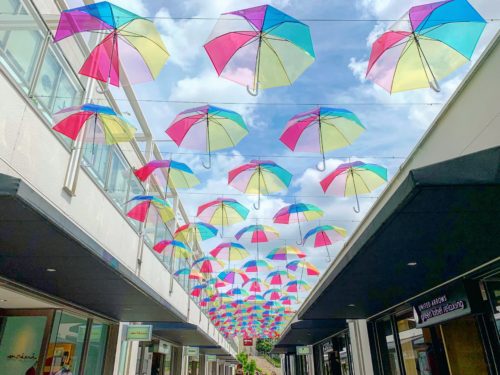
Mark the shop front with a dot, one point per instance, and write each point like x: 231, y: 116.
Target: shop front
x: 451, y: 330
x: 155, y: 357
x: 333, y: 356
x: 50, y: 342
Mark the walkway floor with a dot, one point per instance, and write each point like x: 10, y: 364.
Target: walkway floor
x: 265, y: 366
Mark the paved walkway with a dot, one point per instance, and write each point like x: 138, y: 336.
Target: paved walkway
x: 265, y: 366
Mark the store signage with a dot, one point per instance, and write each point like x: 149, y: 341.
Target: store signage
x: 162, y: 347
x: 139, y: 332
x: 248, y: 342
x: 211, y: 358
x: 441, y: 308
x: 192, y: 351
x: 303, y: 350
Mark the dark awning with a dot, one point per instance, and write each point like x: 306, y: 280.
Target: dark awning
x: 308, y: 332
x: 186, y: 334
x: 444, y: 216
x: 34, y: 236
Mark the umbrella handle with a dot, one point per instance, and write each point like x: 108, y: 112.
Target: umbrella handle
x: 257, y: 207
x: 209, y: 165
x: 435, y: 86
x: 103, y: 91
x: 356, y: 208
x: 253, y: 93
x: 323, y: 164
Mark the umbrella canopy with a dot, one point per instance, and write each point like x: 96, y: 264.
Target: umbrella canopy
x: 140, y: 211
x: 260, y: 47
x: 310, y: 268
x: 233, y: 276
x: 193, y: 274
x: 257, y: 265
x: 103, y: 120
x: 285, y: 252
x: 261, y: 177
x: 208, y: 264
x: 207, y: 128
x: 289, y: 300
x: 259, y: 233
x: 431, y: 42
x: 273, y: 294
x: 223, y: 212
x: 176, y: 249
x: 254, y: 284
x: 195, y: 232
x: 354, y: 178
x: 230, y: 251
x: 179, y: 175
x: 325, y: 235
x: 322, y: 130
x: 297, y: 286
x: 278, y: 277
x: 297, y: 213
x: 131, y: 42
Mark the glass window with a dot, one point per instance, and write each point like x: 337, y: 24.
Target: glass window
x: 20, y: 343
x: 96, y: 152
x: 66, y: 344
x: 135, y: 189
x: 119, y: 176
x: 494, y: 291
x: 167, y: 363
x: 97, y: 349
x: 387, y: 346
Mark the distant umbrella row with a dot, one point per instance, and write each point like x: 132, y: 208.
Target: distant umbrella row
x: 262, y: 47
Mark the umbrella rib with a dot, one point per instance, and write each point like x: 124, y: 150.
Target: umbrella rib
x: 136, y: 35
x: 279, y: 60
x: 225, y: 131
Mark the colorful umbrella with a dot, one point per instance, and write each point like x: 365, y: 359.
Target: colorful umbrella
x: 297, y: 213
x: 237, y: 292
x: 176, y: 249
x: 439, y: 38
x: 325, y: 235
x: 193, y: 274
x: 254, y: 284
x: 354, y: 178
x: 230, y: 251
x: 208, y: 264
x: 289, y: 300
x: 273, y: 294
x: 297, y: 285
x: 223, y: 212
x: 259, y: 233
x: 179, y: 175
x: 197, y: 289
x: 322, y: 130
x: 195, y: 232
x: 310, y: 268
x: 261, y: 177
x: 284, y: 252
x: 254, y: 265
x: 207, y: 128
x: 277, y: 277
x: 115, y: 128
x: 140, y: 211
x: 131, y: 43
x: 260, y: 48
x: 233, y: 276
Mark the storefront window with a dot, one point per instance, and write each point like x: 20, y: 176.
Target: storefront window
x: 96, y: 349
x: 494, y: 291
x: 20, y: 343
x: 118, y: 179
x: 66, y: 345
x: 387, y: 346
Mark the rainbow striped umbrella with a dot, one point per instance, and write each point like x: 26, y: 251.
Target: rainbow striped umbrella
x: 207, y: 128
x: 289, y: 300
x: 354, y: 178
x: 297, y: 213
x: 439, y: 38
x: 175, y: 249
x: 192, y: 232
x: 273, y: 294
x: 310, y: 268
x: 260, y: 177
x: 179, y: 175
x: 230, y: 251
x: 278, y: 277
x: 140, y: 211
x: 258, y: 233
x: 297, y: 285
x: 208, y: 264
x: 254, y: 265
x: 197, y: 289
x: 114, y: 127
x: 325, y: 235
x: 238, y: 292
x: 233, y: 276
x: 254, y: 284
x: 193, y: 274
x: 131, y: 42
x: 223, y: 212
x: 322, y: 130
x: 284, y: 252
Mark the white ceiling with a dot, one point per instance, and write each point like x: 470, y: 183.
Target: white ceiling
x: 15, y: 300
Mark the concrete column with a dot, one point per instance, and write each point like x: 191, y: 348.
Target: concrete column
x: 360, y: 344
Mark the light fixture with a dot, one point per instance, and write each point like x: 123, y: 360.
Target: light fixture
x: 50, y: 270
x: 411, y: 264
x: 351, y: 305
x: 3, y: 300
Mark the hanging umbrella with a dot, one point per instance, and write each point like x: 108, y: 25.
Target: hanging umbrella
x: 176, y: 249
x: 297, y: 286
x: 230, y: 251
x: 223, y: 212
x: 429, y: 43
x: 115, y: 128
x: 233, y: 276
x: 354, y: 178
x: 278, y: 277
x: 255, y: 298
x: 285, y: 252
x: 207, y: 128
x: 297, y: 213
x: 289, y: 300
x: 197, y: 289
x: 140, y: 211
x: 193, y: 274
x: 260, y: 47
x: 254, y: 284
x: 192, y: 232
x: 255, y: 266
x: 208, y: 264
x: 261, y: 177
x: 325, y: 235
x: 321, y: 130
x: 238, y: 292
x: 131, y: 42
x: 216, y: 282
x: 310, y: 268
x: 179, y: 175
x: 273, y: 294
x: 259, y: 233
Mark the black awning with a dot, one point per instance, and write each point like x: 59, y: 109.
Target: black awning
x: 444, y: 217
x: 34, y: 237
x: 308, y: 332
x: 186, y: 334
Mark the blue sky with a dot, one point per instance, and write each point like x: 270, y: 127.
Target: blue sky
x: 394, y: 123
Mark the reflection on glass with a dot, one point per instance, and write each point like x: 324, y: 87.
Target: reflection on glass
x: 387, y: 346
x: 494, y: 291
x: 118, y: 179
x: 167, y: 362
x: 96, y: 350
x: 416, y: 346
x: 95, y: 152
x: 66, y: 345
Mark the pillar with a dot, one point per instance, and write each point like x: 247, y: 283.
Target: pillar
x: 360, y: 344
